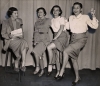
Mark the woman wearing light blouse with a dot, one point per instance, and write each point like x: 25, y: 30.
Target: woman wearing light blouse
x: 60, y: 39
x: 78, y: 25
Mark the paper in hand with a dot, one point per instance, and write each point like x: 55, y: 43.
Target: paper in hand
x: 17, y: 32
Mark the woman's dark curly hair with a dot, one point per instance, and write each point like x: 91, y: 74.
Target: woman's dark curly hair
x: 10, y: 11
x: 55, y: 7
x: 41, y: 8
x: 78, y: 3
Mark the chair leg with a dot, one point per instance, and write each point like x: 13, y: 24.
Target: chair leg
x: 6, y: 60
x: 11, y: 59
x: 23, y: 73
x: 19, y: 76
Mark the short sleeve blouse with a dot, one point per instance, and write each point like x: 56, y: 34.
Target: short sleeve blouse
x: 57, y: 22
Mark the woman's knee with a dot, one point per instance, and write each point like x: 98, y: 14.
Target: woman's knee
x: 73, y: 60
x: 65, y: 52
x: 50, y: 47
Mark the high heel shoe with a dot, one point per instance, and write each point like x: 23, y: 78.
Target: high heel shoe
x: 23, y: 68
x: 57, y: 74
x: 16, y: 69
x: 74, y: 83
x: 41, y: 73
x: 60, y: 78
x: 49, y: 72
x: 55, y: 77
x: 36, y: 72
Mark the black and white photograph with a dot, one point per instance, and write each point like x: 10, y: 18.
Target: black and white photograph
x: 49, y: 43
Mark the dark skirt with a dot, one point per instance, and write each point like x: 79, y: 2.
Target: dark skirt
x: 18, y: 45
x: 40, y: 48
x: 76, y: 44
x: 62, y: 41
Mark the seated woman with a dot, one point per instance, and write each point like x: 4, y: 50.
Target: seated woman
x: 16, y: 43
x: 41, y: 39
x: 60, y: 40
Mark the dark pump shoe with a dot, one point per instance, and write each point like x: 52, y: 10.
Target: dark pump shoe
x: 40, y: 75
x: 49, y: 73
x: 55, y: 77
x: 3, y: 51
x: 23, y: 68
x: 59, y: 78
x: 36, y: 72
x: 16, y: 69
x: 74, y: 83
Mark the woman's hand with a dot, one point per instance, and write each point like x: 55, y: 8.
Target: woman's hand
x: 19, y: 36
x: 92, y: 12
x: 54, y: 39
x: 11, y: 36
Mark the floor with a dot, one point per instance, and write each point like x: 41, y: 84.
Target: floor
x: 88, y: 78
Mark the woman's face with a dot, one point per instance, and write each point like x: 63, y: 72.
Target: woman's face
x: 14, y: 15
x: 77, y: 9
x: 56, y: 11
x: 41, y: 13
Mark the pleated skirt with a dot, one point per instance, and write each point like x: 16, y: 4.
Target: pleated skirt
x: 62, y: 41
x: 18, y: 45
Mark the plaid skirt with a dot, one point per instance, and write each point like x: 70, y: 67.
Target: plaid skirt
x: 62, y: 41
x: 76, y: 44
x: 18, y: 45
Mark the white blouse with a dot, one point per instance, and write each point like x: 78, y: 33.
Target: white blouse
x: 56, y: 22
x: 80, y: 23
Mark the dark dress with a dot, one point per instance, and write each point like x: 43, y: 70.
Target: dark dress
x: 41, y: 36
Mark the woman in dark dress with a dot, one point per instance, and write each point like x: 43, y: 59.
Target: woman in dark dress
x: 41, y: 39
x: 16, y: 43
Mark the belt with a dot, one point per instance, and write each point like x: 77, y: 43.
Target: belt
x: 43, y: 32
x: 78, y: 36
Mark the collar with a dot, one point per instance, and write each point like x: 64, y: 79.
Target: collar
x: 78, y: 16
x: 41, y: 19
x: 57, y: 17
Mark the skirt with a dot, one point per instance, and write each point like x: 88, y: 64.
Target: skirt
x: 18, y: 45
x: 62, y: 41
x: 40, y: 48
x: 76, y: 44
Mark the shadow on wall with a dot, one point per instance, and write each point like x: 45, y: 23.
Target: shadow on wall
x: 1, y: 38
x: 0, y: 31
x: 90, y: 30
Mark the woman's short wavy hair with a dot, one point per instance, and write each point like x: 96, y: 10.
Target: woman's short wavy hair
x: 57, y: 7
x: 41, y: 8
x: 78, y: 3
x: 10, y: 11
